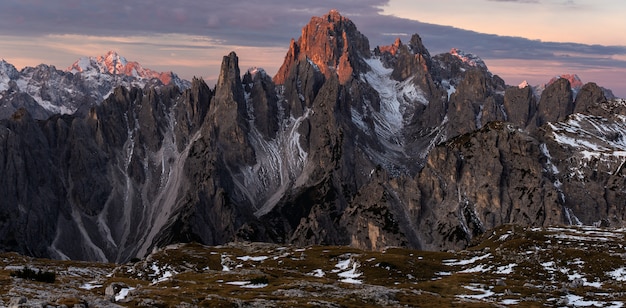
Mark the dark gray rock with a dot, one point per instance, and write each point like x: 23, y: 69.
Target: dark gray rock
x: 474, y: 103
x: 266, y: 112
x: 17, y: 302
x: 590, y: 95
x: 556, y: 103
x: 520, y: 105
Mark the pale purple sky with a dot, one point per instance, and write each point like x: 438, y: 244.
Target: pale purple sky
x: 519, y: 40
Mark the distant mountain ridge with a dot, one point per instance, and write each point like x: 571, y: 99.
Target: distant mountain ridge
x: 44, y: 90
x: 575, y: 82
x: 345, y: 145
x: 115, y: 64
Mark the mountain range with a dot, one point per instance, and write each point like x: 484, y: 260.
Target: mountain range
x: 44, y: 90
x: 345, y: 145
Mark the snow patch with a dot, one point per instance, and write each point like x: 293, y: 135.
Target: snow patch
x: 247, y: 284
x: 255, y: 259
x: 481, y: 268
x: 90, y: 286
x: 123, y: 293
x: 483, y: 292
x: 453, y: 262
x: 618, y: 274
x: 506, y: 269
x: 317, y: 273
x: 347, y: 269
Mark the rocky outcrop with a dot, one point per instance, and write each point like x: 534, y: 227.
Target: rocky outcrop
x: 520, y: 105
x: 588, y: 96
x: 229, y: 115
x: 474, y: 104
x: 483, y: 179
x: 555, y: 104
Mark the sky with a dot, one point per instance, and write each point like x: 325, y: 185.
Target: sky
x: 519, y: 40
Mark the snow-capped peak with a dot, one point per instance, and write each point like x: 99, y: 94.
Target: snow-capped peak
x: 7, y: 69
x: 256, y: 70
x: 111, y: 63
x: 114, y: 64
x: 470, y: 59
x: 7, y: 73
x: 523, y: 85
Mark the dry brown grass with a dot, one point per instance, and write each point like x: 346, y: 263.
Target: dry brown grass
x: 396, y: 276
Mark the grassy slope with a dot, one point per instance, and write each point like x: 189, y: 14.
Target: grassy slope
x: 509, y: 265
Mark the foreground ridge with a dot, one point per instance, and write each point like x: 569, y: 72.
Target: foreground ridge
x: 511, y: 265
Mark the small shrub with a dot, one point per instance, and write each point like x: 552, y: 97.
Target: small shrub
x: 259, y: 280
x: 386, y: 265
x: 27, y: 273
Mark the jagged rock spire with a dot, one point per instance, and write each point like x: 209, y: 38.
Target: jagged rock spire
x: 332, y: 43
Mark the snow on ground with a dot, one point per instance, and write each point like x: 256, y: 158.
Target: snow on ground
x: 549, y: 266
x: 347, y: 269
x: 506, y: 269
x: 225, y: 267
x: 161, y: 274
x: 123, y: 293
x: 350, y: 275
x: 618, y: 274
x: 584, y: 234
x: 454, y: 262
x: 247, y: 284
x: 90, y: 285
x: 255, y: 259
x: 483, y: 292
x: 480, y: 268
x: 255, y: 286
x: 573, y: 300
x: 592, y: 136
x: 317, y: 273
x: 503, y: 237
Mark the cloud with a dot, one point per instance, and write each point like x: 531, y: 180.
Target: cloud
x: 253, y: 23
x: 202, y: 29
x: 517, y: 1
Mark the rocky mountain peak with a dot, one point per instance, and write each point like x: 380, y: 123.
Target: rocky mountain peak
x: 574, y: 81
x: 331, y: 42
x: 391, y: 49
x: 8, y: 74
x: 229, y: 80
x: 114, y: 62
x: 7, y: 69
x: 468, y: 58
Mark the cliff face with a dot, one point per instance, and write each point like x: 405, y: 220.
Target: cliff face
x: 333, y: 44
x: 97, y: 187
x: 342, y: 147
